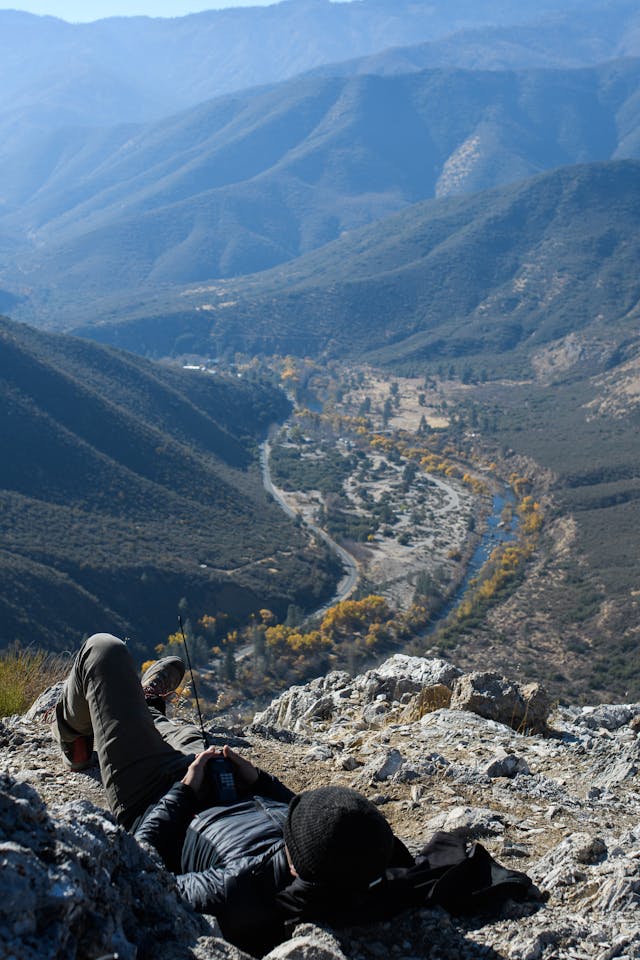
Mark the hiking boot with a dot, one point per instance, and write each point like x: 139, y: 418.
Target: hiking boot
x: 162, y: 679
x: 76, y: 748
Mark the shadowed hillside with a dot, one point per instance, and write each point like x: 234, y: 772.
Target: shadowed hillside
x: 126, y: 486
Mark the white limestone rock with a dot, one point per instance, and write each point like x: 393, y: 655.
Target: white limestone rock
x: 303, y: 708
x: 73, y: 883
x: 308, y: 942
x: 299, y: 707
x: 417, y: 672
x: 608, y: 716
x: 507, y: 765
x: 573, y: 823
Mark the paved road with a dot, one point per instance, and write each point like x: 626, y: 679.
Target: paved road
x: 351, y: 573
x: 265, y: 453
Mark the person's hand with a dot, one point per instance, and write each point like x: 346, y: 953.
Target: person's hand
x: 244, y: 772
x: 194, y: 777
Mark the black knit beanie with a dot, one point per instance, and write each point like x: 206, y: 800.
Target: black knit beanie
x: 335, y: 835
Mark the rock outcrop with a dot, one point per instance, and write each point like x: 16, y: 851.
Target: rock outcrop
x: 525, y: 708
x: 553, y: 793
x: 75, y: 885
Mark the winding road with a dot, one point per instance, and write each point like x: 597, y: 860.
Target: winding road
x: 452, y: 494
x: 351, y: 576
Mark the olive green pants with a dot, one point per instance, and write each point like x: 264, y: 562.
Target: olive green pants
x: 141, y: 753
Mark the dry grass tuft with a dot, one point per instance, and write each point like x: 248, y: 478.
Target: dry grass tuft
x: 427, y: 701
x: 24, y: 674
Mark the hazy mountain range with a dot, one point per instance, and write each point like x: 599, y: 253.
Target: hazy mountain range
x: 243, y: 183
x: 54, y: 73
x: 562, y: 38
x: 428, y: 186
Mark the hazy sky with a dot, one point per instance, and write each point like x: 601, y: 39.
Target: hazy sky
x: 75, y: 10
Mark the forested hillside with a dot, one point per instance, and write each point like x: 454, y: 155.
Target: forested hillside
x: 125, y: 487
x: 528, y: 298
x: 438, y: 202
x: 489, y: 278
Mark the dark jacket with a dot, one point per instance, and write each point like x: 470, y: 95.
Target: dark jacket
x: 230, y: 861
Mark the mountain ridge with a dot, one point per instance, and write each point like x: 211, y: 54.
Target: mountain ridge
x: 411, y: 276
x: 559, y: 41
x: 200, y: 196
x: 154, y: 63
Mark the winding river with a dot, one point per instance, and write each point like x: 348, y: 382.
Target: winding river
x: 497, y: 532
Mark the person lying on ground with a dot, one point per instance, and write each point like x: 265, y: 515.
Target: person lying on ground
x: 270, y: 858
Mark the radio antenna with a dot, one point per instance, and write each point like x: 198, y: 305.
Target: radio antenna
x: 193, y: 680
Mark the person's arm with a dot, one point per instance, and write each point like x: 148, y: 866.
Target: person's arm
x: 165, y: 825
x: 205, y: 890
x: 242, y: 897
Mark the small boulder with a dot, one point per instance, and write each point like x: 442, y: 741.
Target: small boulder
x: 422, y: 670
x: 609, y: 716
x: 318, y: 751
x: 401, y: 677
x: 469, y: 822
x: 373, y: 713
x: 346, y: 761
x: 383, y: 766
x: 490, y: 695
x: 299, y: 707
x: 507, y: 765
x: 308, y: 943
x: 45, y: 704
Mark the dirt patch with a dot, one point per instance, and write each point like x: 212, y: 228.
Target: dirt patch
x: 618, y: 392
x: 412, y: 401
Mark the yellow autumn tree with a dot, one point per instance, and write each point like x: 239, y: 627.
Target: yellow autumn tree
x: 349, y: 617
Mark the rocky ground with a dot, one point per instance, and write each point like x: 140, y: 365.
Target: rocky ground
x: 552, y: 792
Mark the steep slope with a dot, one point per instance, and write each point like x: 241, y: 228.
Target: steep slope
x: 530, y: 295
x: 125, y: 487
x: 245, y: 183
